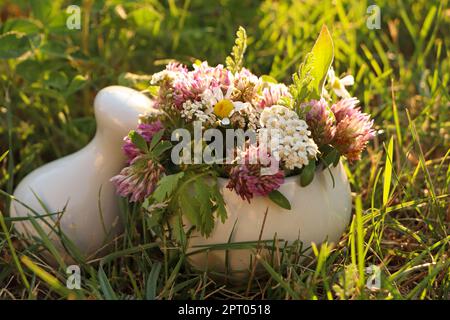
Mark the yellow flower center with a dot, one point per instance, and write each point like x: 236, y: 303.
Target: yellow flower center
x: 223, y: 108
x: 336, y: 84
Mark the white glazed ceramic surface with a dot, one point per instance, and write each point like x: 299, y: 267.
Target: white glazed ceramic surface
x: 80, y: 182
x: 319, y: 212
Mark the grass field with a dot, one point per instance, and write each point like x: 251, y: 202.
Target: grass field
x: 49, y: 76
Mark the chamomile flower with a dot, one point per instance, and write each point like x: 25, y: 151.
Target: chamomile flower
x: 338, y: 85
x: 222, y: 105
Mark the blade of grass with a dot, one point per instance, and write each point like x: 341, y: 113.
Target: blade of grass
x: 387, y: 178
x: 9, y: 121
x: 13, y: 252
x: 277, y: 277
x: 172, y: 276
x: 360, y: 240
x: 105, y: 285
x: 49, y: 279
x: 421, y: 157
x: 152, y: 282
x: 3, y: 156
x: 398, y: 128
x: 48, y: 243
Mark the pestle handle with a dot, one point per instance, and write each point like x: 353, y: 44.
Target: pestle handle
x: 79, y: 184
x: 117, y: 108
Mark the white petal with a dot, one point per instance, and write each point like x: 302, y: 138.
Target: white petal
x: 229, y: 92
x: 208, y: 97
x: 218, y: 94
x: 238, y: 105
x: 331, y: 75
x: 230, y: 76
x: 348, y: 80
x: 341, y: 92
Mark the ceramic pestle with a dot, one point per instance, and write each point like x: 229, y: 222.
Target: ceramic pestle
x: 78, y: 184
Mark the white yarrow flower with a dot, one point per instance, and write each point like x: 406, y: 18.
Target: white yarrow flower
x: 160, y: 76
x: 295, y: 145
x: 193, y: 110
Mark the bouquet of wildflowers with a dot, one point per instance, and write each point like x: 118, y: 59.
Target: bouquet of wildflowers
x: 177, y: 153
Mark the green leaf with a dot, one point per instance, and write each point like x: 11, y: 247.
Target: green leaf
x: 329, y: 154
x: 269, y: 79
x: 45, y: 10
x: 220, y: 208
x: 308, y: 172
x: 155, y: 218
x: 29, y: 70
x: 138, y: 141
x: 198, y: 202
x: 178, y: 232
x: 278, y: 198
x: 26, y: 26
x: 203, y: 196
x: 57, y: 80
x: 76, y: 84
x: 235, y: 61
x: 145, y: 18
x: 153, y: 90
x: 161, y: 147
x: 322, y: 55
x: 13, y: 45
x: 188, y: 207
x: 166, y: 186
x: 55, y: 49
x: 336, y: 160
x: 302, y: 86
x: 156, y: 138
x: 132, y: 80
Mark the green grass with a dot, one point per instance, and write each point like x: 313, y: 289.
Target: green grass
x: 401, y: 187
